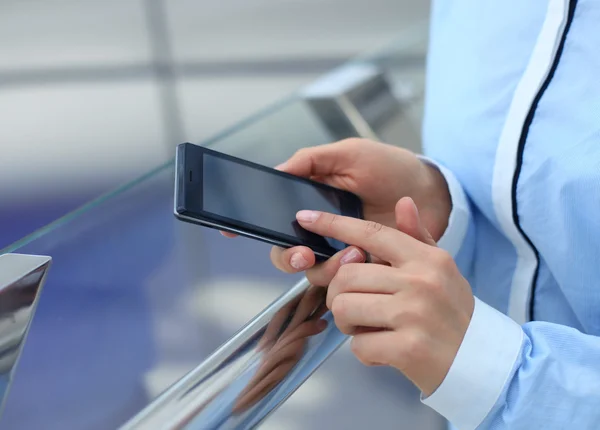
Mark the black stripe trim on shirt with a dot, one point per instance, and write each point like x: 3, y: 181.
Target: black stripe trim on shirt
x: 521, y: 149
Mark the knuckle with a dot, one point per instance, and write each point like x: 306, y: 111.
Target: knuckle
x: 396, y: 317
x: 372, y: 228
x: 339, y: 311
x: 432, y: 281
x: 411, y: 312
x: 344, y: 328
x: 417, y: 312
x: 333, y: 290
x: 339, y: 307
x: 425, y: 282
x: 420, y: 309
x: 415, y: 347
x: 332, y: 221
x: 442, y: 259
x: 360, y: 353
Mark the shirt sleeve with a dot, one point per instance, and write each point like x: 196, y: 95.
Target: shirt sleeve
x: 541, y: 375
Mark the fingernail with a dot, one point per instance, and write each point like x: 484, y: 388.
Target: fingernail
x: 352, y: 256
x: 281, y: 166
x: 298, y: 261
x: 321, y: 324
x: 307, y: 216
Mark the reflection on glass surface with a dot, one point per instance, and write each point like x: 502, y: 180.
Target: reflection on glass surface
x: 283, y: 345
x: 21, y: 280
x: 253, y: 373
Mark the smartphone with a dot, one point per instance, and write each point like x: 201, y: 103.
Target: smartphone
x: 234, y: 195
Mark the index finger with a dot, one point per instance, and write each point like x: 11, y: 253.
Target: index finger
x: 386, y: 243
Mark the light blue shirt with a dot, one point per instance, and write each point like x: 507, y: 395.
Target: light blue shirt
x: 512, y: 118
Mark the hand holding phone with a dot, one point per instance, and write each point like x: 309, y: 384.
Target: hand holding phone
x: 237, y: 196
x: 381, y: 175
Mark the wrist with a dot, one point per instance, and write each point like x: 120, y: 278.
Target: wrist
x: 435, y: 203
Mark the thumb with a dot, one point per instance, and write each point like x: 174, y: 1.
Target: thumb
x: 322, y: 160
x: 409, y: 222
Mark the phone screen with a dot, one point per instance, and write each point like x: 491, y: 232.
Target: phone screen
x: 264, y: 199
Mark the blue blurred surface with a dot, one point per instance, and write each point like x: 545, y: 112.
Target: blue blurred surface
x: 24, y: 217
x: 93, y: 339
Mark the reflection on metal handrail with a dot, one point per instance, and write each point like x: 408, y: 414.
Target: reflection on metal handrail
x: 254, y: 372
x: 21, y: 280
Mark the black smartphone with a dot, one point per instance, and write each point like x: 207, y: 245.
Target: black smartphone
x: 230, y: 194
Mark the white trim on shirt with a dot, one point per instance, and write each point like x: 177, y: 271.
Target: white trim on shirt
x: 490, y: 350
x: 537, y: 70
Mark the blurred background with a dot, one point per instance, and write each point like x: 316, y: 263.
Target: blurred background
x: 94, y: 94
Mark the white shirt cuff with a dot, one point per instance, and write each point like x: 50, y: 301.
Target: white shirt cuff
x: 482, y: 367
x: 460, y: 215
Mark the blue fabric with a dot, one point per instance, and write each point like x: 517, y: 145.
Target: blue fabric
x: 555, y: 384
x: 478, y: 53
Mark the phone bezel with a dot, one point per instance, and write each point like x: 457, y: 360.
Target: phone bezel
x: 189, y: 199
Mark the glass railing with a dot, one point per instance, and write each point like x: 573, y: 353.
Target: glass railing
x: 136, y: 299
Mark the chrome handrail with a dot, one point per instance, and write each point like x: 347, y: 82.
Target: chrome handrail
x: 254, y: 372
x: 21, y: 280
